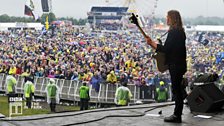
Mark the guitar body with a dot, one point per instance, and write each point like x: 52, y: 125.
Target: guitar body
x: 159, y: 56
x: 160, y: 61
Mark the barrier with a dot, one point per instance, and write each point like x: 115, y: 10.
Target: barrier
x: 19, y: 84
x: 38, y: 81
x: 65, y: 89
x: 102, y: 93
x: 135, y: 92
x: 93, y: 94
x: 69, y: 89
x: 60, y: 84
x: 2, y: 82
x: 76, y: 93
x: 110, y: 91
x: 44, y: 85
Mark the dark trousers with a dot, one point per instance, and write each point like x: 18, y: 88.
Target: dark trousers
x: 84, y: 104
x: 28, y: 102
x: 152, y: 92
x: 176, y: 74
x: 53, y: 104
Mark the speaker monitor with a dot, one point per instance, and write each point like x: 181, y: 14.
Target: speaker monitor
x: 206, y: 98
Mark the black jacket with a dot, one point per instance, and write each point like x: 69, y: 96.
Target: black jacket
x: 174, y: 48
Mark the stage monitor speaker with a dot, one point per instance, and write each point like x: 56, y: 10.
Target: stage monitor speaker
x: 206, y: 98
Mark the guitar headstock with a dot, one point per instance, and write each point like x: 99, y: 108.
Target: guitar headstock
x: 134, y: 19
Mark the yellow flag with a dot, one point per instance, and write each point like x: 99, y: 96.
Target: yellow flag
x: 47, y: 23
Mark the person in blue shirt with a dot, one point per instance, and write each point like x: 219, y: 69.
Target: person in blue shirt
x: 95, y: 81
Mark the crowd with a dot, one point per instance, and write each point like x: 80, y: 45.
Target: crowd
x: 102, y: 58
x: 108, y: 26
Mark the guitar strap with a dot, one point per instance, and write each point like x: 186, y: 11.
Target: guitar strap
x: 159, y: 39
x: 163, y: 34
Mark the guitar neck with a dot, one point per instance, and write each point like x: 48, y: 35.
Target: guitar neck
x: 143, y: 33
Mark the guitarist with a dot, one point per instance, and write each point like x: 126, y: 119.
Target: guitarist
x: 175, y: 55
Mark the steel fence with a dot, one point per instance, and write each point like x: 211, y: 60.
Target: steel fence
x: 69, y: 89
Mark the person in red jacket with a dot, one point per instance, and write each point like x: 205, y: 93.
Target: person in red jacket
x: 18, y: 69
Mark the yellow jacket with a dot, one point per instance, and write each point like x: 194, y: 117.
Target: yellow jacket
x: 11, y: 83
x: 12, y: 70
x: 25, y: 74
x: 28, y: 89
x: 111, y: 77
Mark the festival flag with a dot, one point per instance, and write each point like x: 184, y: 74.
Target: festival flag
x: 47, y: 23
x: 202, y: 39
x: 29, y: 9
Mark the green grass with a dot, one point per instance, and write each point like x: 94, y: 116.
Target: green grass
x: 4, y: 108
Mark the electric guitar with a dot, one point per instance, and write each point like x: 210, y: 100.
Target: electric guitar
x: 159, y: 56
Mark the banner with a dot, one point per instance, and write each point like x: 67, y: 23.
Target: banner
x: 47, y: 23
x: 29, y: 9
x: 45, y: 6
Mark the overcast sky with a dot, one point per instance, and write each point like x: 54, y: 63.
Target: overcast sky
x: 79, y: 8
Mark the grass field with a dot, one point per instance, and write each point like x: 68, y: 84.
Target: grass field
x: 4, y: 108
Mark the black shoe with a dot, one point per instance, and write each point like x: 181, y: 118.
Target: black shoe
x: 173, y: 119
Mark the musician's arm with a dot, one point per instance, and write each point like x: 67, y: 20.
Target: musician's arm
x: 148, y: 39
x: 167, y: 46
x: 152, y: 43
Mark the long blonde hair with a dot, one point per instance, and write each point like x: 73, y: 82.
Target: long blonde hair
x: 175, y: 20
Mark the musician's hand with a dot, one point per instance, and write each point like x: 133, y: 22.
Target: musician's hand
x: 148, y: 40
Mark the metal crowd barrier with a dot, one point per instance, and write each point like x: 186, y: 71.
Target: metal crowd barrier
x: 93, y: 94
x: 135, y: 92
x: 2, y: 82
x: 102, y: 93
x: 76, y: 93
x: 65, y: 89
x: 110, y: 91
x: 38, y: 81
x: 20, y: 83
x: 69, y: 89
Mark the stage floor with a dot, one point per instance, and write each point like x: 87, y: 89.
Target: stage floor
x: 139, y: 115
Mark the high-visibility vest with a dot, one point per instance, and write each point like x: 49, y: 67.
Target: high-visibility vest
x: 11, y: 82
x: 123, y: 95
x: 28, y: 89
x: 162, y: 94
x: 84, y: 92
x: 52, y: 90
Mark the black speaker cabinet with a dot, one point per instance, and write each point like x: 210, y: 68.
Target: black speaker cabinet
x: 206, y: 98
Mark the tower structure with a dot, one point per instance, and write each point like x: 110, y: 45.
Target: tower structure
x: 50, y: 6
